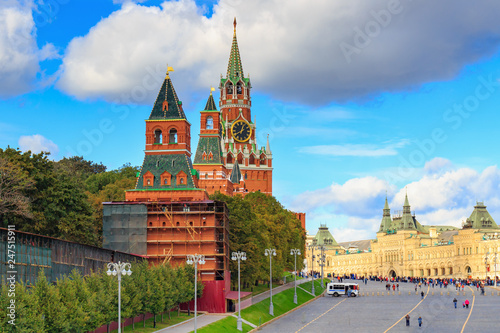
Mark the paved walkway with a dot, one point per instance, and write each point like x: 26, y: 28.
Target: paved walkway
x: 206, y: 319
x: 188, y: 325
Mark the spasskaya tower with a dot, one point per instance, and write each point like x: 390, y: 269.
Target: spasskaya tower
x: 231, y: 134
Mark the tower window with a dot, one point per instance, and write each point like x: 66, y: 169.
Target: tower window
x: 238, y: 88
x: 246, y: 175
x: 158, y: 136
x: 149, y: 181
x: 230, y: 88
x: 210, y: 123
x: 182, y: 180
x: 173, y: 136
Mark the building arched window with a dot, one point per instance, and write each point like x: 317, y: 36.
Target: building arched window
x: 158, y: 136
x: 238, y: 88
x: 229, y: 88
x: 210, y: 123
x: 173, y: 136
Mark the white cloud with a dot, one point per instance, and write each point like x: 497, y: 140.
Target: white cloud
x: 437, y: 165
x: 445, y: 196
x: 356, y: 197
x: 37, y: 143
x: 282, y: 45
x: 19, y: 53
x: 364, y: 150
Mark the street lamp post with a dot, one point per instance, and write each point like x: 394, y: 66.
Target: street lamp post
x: 311, y: 247
x: 117, y: 269
x: 321, y: 262
x: 239, y: 256
x: 294, y: 252
x: 270, y: 253
x: 486, y: 267
x: 195, y: 259
x: 495, y: 278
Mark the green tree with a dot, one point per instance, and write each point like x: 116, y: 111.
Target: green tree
x: 76, y: 297
x: 133, y: 305
x: 156, y: 292
x: 49, y: 299
x: 14, y: 183
x: 171, y: 292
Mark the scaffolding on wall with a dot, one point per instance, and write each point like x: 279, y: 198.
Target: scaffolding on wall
x: 176, y: 229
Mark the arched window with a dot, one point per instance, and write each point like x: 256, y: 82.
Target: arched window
x: 229, y: 88
x: 182, y: 180
x: 210, y: 123
x: 246, y: 175
x: 173, y: 136
x: 158, y: 136
x: 206, y: 176
x: 238, y: 88
x: 229, y: 159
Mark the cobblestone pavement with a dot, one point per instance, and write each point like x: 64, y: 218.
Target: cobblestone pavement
x: 386, y: 313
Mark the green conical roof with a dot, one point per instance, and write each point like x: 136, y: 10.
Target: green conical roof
x: 386, y: 222
x: 407, y: 203
x: 210, y: 104
x: 234, y: 67
x: 172, y: 109
x: 235, y: 173
x: 324, y: 237
x: 481, y: 218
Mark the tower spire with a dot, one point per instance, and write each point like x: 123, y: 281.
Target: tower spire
x: 234, y: 67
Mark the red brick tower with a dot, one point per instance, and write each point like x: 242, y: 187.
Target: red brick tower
x: 237, y: 133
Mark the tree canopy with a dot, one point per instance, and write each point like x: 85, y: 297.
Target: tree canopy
x: 60, y: 199
x: 256, y: 222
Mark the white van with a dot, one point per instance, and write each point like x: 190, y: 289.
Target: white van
x: 336, y: 289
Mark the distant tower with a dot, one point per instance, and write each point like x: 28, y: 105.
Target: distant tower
x: 385, y: 225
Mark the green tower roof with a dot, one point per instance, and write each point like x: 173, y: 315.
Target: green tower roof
x: 172, y: 109
x: 236, y: 173
x: 234, y: 67
x: 173, y: 164
x: 481, y: 218
x: 386, y: 222
x: 207, y: 145
x: 324, y: 237
x: 210, y: 104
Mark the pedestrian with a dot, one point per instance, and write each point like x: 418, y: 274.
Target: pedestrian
x: 397, y: 286
x: 407, y: 320
x: 419, y: 321
x: 415, y: 288
x: 463, y: 305
x: 466, y: 303
x: 455, y: 302
x: 422, y: 293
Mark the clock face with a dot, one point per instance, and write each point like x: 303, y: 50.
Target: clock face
x: 241, y: 131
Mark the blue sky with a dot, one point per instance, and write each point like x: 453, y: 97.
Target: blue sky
x: 360, y: 99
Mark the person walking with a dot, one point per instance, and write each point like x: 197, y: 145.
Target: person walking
x: 422, y: 293
x: 455, y: 302
x: 407, y: 317
x: 419, y: 321
x: 466, y: 303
